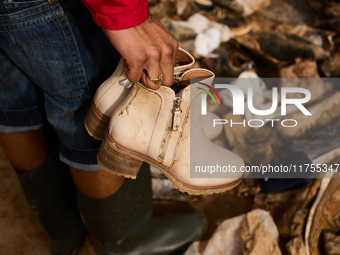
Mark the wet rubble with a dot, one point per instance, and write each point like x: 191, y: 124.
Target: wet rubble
x: 261, y: 39
x: 267, y: 33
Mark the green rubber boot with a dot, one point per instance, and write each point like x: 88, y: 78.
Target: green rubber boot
x: 123, y: 222
x: 51, y: 194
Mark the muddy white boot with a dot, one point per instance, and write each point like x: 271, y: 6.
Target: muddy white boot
x: 154, y: 126
x: 113, y: 91
x: 183, y: 79
x: 210, y: 131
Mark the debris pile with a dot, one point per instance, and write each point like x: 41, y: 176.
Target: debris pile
x: 231, y: 36
x: 257, y: 40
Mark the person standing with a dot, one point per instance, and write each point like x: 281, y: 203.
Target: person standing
x: 53, y: 57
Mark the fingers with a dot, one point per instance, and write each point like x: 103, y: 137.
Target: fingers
x: 153, y: 68
x: 133, y: 70
x: 175, y: 47
x: 158, y: 61
x: 167, y: 65
x: 169, y: 50
x: 149, y: 50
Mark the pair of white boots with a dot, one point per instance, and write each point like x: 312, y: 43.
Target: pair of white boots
x: 139, y: 124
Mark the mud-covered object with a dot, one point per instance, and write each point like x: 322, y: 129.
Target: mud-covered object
x: 332, y: 14
x: 252, y: 233
x: 326, y: 217
x: 266, y: 65
x: 320, y: 37
x: 230, y: 4
x: 296, y: 246
x: 179, y: 32
x: 303, y: 69
x: 321, y: 142
x: 329, y: 11
x: 289, y: 208
x: 236, y: 22
x: 254, y: 230
x: 331, y: 67
x: 187, y: 8
x: 286, y: 46
x: 290, y: 12
x: 244, y: 7
x: 232, y: 60
x: 163, y: 9
x: 332, y: 243
x: 323, y: 116
x: 248, y: 187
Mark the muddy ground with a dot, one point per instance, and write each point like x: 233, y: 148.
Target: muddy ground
x: 21, y: 232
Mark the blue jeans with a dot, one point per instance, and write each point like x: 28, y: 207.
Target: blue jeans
x: 52, y: 59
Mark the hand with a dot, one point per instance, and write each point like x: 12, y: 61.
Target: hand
x: 148, y: 49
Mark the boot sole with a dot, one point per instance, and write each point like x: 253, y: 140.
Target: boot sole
x: 96, y: 123
x: 121, y: 161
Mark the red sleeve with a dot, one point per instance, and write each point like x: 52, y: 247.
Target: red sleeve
x: 118, y: 14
